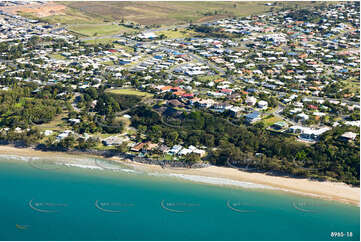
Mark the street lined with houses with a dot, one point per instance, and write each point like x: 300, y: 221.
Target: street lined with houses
x: 293, y: 73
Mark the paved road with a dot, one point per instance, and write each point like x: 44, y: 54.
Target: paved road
x: 206, y: 62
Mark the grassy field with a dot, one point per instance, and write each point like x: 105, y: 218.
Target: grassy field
x: 168, y: 13
x: 353, y: 84
x: 203, y: 78
x: 130, y: 92
x: 175, y: 34
x: 91, y: 19
x: 99, y: 29
x: 57, y: 56
x: 125, y: 48
x: 100, y: 41
x: 269, y: 121
x: 57, y: 124
x: 165, y: 13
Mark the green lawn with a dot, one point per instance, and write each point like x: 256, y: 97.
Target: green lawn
x: 100, y: 41
x: 181, y: 33
x: 163, y: 157
x: 130, y: 92
x: 353, y: 84
x: 269, y: 121
x: 108, y: 63
x: 98, y: 29
x: 58, y: 56
x: 100, y: 146
x: 56, y: 124
x: 209, y: 78
x: 20, y: 103
x: 125, y: 48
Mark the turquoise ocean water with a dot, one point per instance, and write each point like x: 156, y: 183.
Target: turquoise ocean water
x: 73, y: 203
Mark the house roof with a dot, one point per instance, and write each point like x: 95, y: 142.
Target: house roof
x: 253, y: 115
x: 349, y: 135
x: 166, y: 88
x: 138, y: 147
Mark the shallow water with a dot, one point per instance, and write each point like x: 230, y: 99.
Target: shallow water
x: 100, y: 201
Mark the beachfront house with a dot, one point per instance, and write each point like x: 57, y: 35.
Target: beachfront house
x: 308, y: 134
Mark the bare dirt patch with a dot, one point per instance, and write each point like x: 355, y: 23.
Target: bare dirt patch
x: 38, y: 10
x: 211, y: 18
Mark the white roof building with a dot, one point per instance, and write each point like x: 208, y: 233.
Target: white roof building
x: 303, y: 116
x: 262, y: 104
x: 251, y: 100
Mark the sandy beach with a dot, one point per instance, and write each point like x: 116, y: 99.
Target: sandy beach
x: 327, y: 190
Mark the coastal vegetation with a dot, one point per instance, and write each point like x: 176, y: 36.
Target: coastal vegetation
x: 20, y: 109
x: 237, y: 146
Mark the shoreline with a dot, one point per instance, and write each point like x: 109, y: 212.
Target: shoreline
x: 325, y: 190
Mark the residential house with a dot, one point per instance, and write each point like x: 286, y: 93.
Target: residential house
x: 253, y: 117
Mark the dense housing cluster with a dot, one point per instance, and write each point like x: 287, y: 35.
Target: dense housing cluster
x: 276, y: 92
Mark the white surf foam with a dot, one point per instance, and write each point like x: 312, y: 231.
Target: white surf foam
x: 215, y: 180
x: 83, y: 166
x: 90, y: 164
x: 17, y: 157
x: 129, y: 171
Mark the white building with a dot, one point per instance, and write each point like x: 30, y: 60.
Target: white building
x: 262, y: 104
x: 302, y: 116
x: 251, y: 101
